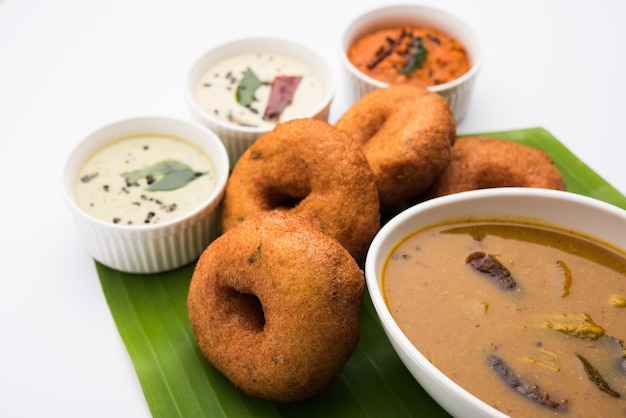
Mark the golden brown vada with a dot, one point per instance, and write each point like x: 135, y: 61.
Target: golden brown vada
x: 313, y: 169
x: 406, y: 133
x: 480, y: 162
x: 275, y: 306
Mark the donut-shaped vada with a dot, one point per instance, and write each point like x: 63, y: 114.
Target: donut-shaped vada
x: 482, y: 162
x: 275, y: 306
x: 313, y: 169
x: 406, y: 133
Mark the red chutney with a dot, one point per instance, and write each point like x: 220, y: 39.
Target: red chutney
x: 420, y: 56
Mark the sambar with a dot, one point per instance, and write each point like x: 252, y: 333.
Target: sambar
x: 552, y: 343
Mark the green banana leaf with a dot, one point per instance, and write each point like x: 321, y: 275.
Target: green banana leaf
x: 150, y: 312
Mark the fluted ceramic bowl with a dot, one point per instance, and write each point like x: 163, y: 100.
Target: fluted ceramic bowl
x: 457, y: 92
x: 238, y: 134
x: 153, y: 247
x: 558, y: 209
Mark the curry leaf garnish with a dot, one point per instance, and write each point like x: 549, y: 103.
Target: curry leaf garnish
x: 255, y: 255
x: 247, y: 87
x: 416, y: 60
x: 171, y: 175
x: 174, y: 180
x: 156, y: 169
x: 596, y: 378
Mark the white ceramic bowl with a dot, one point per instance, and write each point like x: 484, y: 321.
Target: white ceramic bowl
x: 155, y: 247
x: 456, y: 92
x: 238, y: 138
x: 557, y: 208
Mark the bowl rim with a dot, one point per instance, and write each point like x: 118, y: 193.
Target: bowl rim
x: 399, y: 12
x: 95, y: 140
x: 240, y: 45
x: 373, y: 271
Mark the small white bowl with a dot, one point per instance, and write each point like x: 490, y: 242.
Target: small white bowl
x: 457, y: 92
x: 238, y: 138
x: 155, y: 247
x: 561, y: 209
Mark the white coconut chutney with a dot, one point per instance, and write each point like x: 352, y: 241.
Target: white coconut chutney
x: 144, y: 179
x: 216, y: 89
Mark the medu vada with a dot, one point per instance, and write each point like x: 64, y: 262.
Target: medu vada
x: 313, y: 169
x: 275, y: 305
x: 480, y: 162
x: 406, y: 133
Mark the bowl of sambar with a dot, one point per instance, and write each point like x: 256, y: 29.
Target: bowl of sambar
x: 507, y: 302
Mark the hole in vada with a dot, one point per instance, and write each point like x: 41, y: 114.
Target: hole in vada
x: 278, y: 200
x: 245, y: 309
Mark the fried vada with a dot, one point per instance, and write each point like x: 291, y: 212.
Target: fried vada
x: 480, y: 162
x: 406, y: 133
x: 313, y: 169
x: 275, y: 306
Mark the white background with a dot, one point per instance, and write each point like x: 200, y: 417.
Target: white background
x: 68, y: 66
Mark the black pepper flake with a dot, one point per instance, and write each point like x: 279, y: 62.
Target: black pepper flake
x: 88, y: 177
x: 149, y: 217
x: 172, y: 207
x: 116, y: 220
x: 146, y: 147
x: 106, y: 188
x: 150, y: 179
x: 434, y: 39
x: 136, y: 204
x: 401, y: 256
